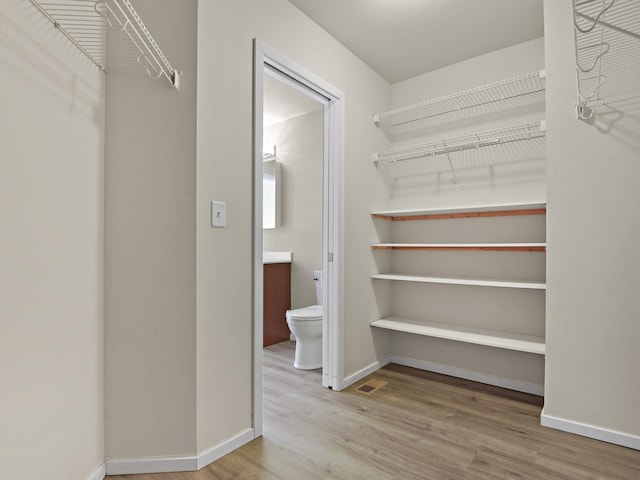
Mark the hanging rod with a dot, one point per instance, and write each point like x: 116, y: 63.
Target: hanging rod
x: 445, y: 147
x: 495, y: 92
x: 85, y: 24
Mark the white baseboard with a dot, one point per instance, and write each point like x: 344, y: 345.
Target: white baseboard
x: 130, y: 466
x: 98, y: 473
x: 591, y: 431
x: 214, y: 453
x: 360, y: 374
x: 509, y: 383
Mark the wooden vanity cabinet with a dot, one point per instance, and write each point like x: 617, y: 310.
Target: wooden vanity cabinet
x: 277, y: 300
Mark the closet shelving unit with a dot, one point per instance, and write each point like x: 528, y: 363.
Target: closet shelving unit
x: 85, y: 24
x: 414, y: 265
x: 487, y: 337
x: 607, y: 42
x: 467, y: 100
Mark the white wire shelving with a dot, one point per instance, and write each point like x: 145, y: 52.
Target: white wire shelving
x: 86, y: 22
x: 388, y: 161
x: 607, y: 42
x: 512, y: 88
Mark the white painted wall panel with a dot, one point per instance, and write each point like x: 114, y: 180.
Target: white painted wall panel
x: 51, y: 252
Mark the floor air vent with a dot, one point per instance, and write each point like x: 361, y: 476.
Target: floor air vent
x: 370, y: 386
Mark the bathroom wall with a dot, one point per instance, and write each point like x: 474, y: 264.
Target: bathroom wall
x: 299, y: 143
x: 499, y: 309
x: 51, y: 252
x: 593, y: 263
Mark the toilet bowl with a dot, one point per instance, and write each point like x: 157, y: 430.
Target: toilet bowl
x: 306, y: 326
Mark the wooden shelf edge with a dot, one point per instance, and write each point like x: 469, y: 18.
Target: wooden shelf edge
x: 463, y: 212
x: 490, y: 338
x: 533, y: 285
x: 459, y: 247
x: 450, y: 216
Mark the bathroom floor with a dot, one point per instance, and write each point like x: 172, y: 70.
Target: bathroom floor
x: 418, y: 425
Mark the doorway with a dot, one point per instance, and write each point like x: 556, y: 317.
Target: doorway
x: 332, y: 100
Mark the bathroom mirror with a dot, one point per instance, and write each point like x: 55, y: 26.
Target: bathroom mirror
x: 270, y: 194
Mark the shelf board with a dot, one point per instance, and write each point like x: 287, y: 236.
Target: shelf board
x: 491, y: 338
x: 494, y: 247
x: 533, y: 285
x: 500, y: 210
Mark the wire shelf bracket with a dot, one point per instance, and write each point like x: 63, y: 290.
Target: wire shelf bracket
x: 85, y: 23
x: 520, y: 86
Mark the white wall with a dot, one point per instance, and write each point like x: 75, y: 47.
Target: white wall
x: 150, y: 181
x: 226, y: 30
x: 299, y: 144
x: 593, y: 263
x: 51, y: 252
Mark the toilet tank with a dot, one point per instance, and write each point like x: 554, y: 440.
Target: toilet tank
x: 317, y: 277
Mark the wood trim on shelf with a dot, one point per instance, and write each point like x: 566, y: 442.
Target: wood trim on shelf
x: 491, y: 338
x: 449, y: 216
x: 492, y: 247
x: 533, y: 285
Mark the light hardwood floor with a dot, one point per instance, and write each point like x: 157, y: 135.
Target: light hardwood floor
x: 420, y: 425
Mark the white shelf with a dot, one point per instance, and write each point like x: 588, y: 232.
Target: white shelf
x: 520, y: 86
x: 510, y: 341
x: 404, y: 165
x: 533, y: 285
x: 498, y: 247
x: 85, y: 24
x: 464, y: 212
x: 490, y: 138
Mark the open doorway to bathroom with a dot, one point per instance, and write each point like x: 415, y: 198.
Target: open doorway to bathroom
x: 297, y: 147
x: 293, y: 155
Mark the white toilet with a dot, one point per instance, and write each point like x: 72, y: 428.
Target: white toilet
x: 306, y: 325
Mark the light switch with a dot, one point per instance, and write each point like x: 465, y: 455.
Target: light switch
x: 218, y: 214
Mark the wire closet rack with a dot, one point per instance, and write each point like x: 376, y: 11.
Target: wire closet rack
x: 86, y: 23
x: 512, y: 88
x: 388, y: 162
x: 607, y: 41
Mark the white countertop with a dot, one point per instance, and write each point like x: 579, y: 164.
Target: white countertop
x: 277, y: 257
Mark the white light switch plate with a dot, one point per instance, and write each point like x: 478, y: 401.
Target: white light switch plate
x: 218, y: 214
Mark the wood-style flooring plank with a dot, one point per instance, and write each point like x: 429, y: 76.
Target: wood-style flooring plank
x: 420, y: 426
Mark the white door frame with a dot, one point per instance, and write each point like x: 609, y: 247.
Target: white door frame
x: 332, y: 221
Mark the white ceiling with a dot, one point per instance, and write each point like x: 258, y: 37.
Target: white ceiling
x: 401, y: 39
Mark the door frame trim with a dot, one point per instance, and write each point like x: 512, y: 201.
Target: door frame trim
x: 333, y: 219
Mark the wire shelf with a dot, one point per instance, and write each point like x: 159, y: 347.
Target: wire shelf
x: 512, y: 88
x: 477, y: 140
x: 607, y: 42
x: 86, y: 23
x: 501, y: 145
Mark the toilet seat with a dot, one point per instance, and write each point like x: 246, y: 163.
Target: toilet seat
x: 306, y: 314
